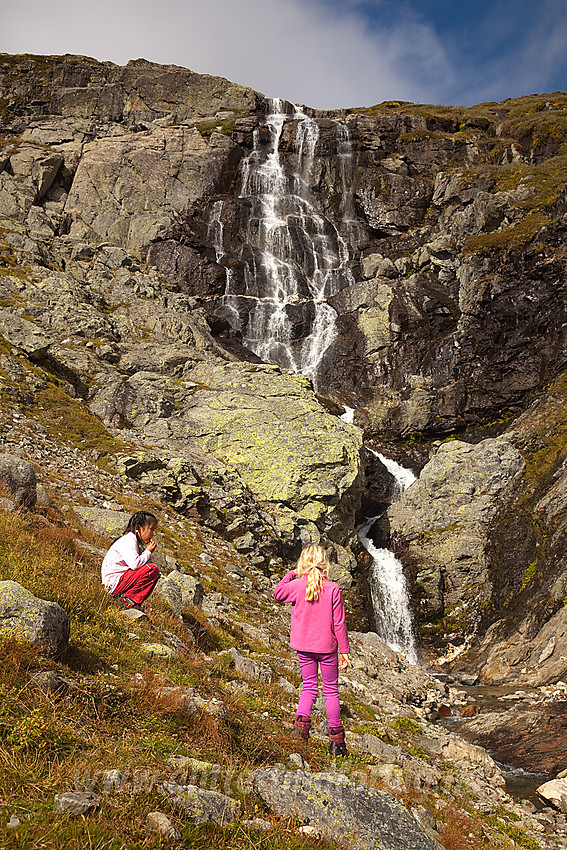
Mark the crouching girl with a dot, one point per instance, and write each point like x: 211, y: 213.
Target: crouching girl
x: 318, y: 629
x: 125, y: 571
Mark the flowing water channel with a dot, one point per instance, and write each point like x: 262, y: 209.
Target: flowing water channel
x: 388, y: 586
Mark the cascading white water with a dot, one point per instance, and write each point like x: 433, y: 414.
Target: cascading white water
x: 295, y: 258
x: 402, y: 476
x: 388, y: 587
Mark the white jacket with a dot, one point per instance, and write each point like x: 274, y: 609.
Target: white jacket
x: 123, y: 555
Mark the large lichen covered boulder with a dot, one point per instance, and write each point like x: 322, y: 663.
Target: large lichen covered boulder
x: 440, y: 527
x: 354, y: 815
x: 18, y: 477
x: 22, y: 615
x: 300, y: 461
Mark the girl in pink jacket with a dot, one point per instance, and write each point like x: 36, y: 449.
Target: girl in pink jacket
x: 318, y: 629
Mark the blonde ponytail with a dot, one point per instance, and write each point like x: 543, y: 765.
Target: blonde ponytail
x: 314, y: 563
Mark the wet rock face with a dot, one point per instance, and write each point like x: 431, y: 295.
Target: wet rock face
x: 532, y: 739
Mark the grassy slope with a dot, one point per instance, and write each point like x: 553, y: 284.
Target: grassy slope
x: 49, y: 745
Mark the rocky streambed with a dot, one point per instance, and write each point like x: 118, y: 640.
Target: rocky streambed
x: 524, y: 730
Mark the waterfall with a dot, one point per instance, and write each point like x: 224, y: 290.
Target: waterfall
x: 403, y: 477
x: 294, y: 258
x: 388, y: 587
x: 348, y: 415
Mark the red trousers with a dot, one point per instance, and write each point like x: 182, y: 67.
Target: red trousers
x: 137, y: 585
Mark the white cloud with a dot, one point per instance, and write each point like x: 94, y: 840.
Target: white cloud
x: 303, y: 50
x: 324, y: 53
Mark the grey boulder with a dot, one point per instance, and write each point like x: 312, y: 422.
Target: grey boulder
x: 180, y: 591
x: 77, y: 803
x: 104, y: 521
x: 352, y: 814
x: 200, y: 805
x: 18, y: 477
x: 44, y: 624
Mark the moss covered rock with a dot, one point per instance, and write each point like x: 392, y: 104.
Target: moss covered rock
x: 300, y: 461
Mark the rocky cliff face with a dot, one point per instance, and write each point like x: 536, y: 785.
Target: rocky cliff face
x: 162, y: 233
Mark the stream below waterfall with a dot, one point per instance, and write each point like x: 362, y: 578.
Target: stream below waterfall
x: 388, y: 586
x: 521, y: 783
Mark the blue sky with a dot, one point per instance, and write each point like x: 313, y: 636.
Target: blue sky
x: 325, y: 53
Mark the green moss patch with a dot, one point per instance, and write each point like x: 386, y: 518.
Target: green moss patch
x: 516, y: 236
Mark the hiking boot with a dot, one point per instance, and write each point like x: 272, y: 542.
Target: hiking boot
x: 337, y: 746
x: 301, y: 726
x: 128, y: 603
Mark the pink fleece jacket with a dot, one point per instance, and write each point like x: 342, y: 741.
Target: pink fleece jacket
x: 123, y: 555
x: 317, y: 626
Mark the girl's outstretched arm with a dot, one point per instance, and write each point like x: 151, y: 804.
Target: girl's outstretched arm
x: 281, y: 591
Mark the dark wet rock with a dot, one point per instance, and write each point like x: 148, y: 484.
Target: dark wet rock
x: 533, y: 738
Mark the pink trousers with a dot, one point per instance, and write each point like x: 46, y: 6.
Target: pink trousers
x: 137, y: 585
x: 329, y: 664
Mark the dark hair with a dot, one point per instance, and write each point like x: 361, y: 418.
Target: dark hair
x: 140, y: 520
